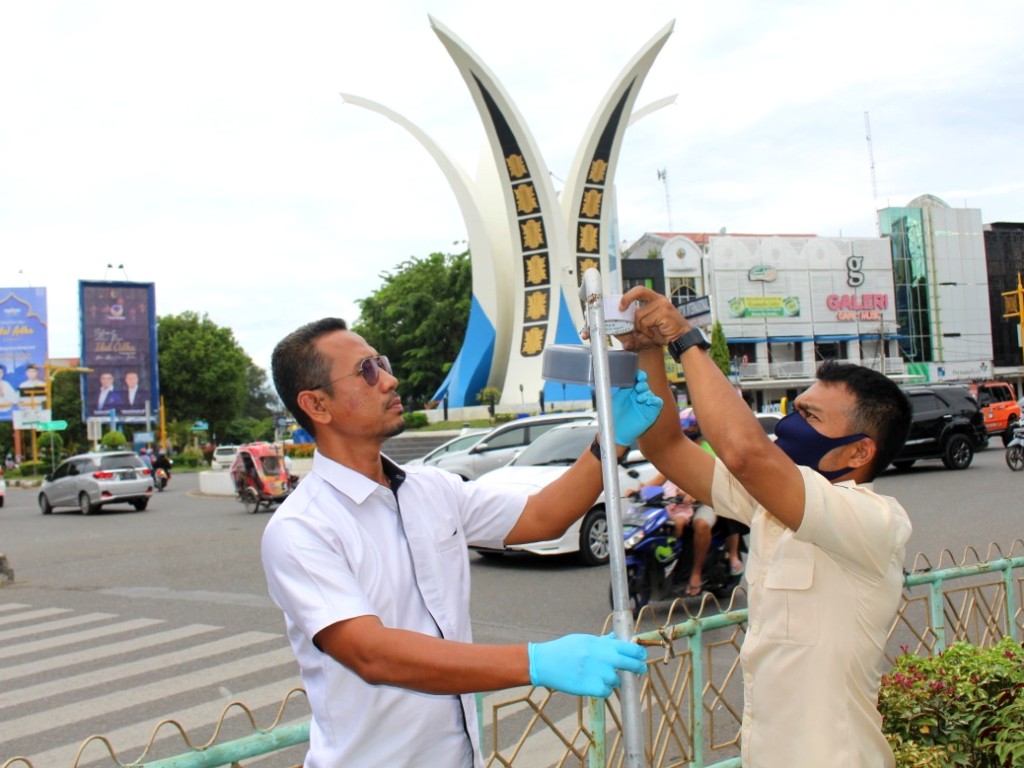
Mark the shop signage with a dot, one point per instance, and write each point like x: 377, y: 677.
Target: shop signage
x: 763, y: 273
x: 854, y: 306
x: 764, y: 306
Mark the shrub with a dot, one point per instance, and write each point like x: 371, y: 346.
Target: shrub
x: 299, y: 450
x: 113, y: 441
x: 189, y: 457
x: 962, y: 707
x: 415, y: 420
x: 32, y: 468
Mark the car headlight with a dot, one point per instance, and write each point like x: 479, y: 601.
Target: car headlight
x: 634, y: 538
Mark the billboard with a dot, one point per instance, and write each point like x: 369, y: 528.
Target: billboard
x: 23, y: 350
x: 118, y: 321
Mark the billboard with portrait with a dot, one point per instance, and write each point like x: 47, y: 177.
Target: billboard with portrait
x: 118, y: 321
x: 23, y: 350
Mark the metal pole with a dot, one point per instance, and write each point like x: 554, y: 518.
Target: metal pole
x: 622, y: 616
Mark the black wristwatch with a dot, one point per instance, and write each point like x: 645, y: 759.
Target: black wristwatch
x: 694, y: 337
x: 595, y: 448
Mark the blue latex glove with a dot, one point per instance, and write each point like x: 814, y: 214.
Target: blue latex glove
x: 584, y: 665
x: 634, y: 410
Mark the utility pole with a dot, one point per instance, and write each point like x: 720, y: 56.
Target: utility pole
x: 663, y: 178
x: 874, y: 183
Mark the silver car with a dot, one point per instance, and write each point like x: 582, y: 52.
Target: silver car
x: 93, y: 480
x: 503, y: 443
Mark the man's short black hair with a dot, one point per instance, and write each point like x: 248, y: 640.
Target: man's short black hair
x: 882, y: 410
x: 297, y: 365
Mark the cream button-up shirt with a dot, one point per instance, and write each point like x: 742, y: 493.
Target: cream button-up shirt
x: 821, y: 603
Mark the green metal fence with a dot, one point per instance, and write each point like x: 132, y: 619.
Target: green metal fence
x: 692, y: 693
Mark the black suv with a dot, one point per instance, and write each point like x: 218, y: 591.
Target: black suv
x: 947, y: 424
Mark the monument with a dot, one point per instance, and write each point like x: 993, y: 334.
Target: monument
x: 529, y: 246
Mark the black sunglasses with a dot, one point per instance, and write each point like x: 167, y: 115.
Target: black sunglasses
x: 369, y: 369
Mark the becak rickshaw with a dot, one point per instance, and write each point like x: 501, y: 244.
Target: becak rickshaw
x: 260, y: 476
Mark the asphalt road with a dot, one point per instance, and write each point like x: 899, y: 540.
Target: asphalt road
x: 79, y: 645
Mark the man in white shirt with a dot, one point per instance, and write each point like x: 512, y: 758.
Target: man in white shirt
x: 826, y: 551
x: 368, y: 561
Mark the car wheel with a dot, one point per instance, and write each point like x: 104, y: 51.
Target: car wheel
x: 594, y: 538
x: 85, y: 505
x: 1015, y: 458
x: 903, y: 465
x: 1008, y: 432
x: 44, y: 504
x: 958, y: 453
x: 140, y: 504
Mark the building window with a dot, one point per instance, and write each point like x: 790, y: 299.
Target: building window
x: 682, y: 289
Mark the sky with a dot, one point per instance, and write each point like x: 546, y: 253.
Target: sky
x: 204, y: 146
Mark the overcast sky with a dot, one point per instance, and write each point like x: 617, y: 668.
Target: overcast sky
x: 203, y: 146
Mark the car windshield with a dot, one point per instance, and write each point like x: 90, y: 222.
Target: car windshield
x: 557, y: 446
x: 123, y: 461
x: 458, y: 444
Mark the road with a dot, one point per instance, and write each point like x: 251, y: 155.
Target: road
x: 120, y: 619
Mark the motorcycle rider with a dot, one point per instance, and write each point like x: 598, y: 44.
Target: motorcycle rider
x: 162, y: 462
x: 700, y: 516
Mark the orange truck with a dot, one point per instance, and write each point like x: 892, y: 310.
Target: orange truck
x: 999, y: 407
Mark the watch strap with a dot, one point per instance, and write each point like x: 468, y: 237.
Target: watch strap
x: 694, y: 337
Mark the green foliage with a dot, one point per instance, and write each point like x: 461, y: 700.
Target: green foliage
x: 418, y: 319
x: 33, y: 468
x: 113, y: 441
x: 719, y: 348
x: 51, y: 446
x: 415, y: 420
x: 204, y: 373
x: 66, y: 404
x: 963, y: 707
x: 248, y: 430
x: 190, y: 457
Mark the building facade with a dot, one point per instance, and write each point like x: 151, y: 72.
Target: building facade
x: 915, y: 303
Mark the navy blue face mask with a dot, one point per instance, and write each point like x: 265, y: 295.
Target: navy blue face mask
x: 806, y: 446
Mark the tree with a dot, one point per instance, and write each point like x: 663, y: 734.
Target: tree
x: 720, y: 348
x: 204, y: 373
x: 418, y: 319
x: 66, y: 404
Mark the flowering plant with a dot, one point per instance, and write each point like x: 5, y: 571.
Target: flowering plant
x: 962, y: 707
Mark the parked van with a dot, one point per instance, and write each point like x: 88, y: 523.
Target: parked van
x: 999, y: 407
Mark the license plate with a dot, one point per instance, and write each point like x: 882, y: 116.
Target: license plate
x: 128, y: 476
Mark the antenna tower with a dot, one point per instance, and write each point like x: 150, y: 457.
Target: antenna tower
x: 871, y: 161
x: 663, y: 177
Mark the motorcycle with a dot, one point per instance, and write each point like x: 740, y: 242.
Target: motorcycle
x: 1015, y: 449
x: 658, y: 562
x: 160, y: 478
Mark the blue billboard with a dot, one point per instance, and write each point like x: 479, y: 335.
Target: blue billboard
x: 23, y: 350
x: 118, y: 321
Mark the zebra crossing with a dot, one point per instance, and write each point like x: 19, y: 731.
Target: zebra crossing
x: 66, y: 676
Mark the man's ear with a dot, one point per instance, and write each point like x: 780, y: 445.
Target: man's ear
x: 862, y: 453
x: 313, y: 406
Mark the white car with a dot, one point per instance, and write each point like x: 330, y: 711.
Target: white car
x: 503, y: 443
x: 547, y: 459
x: 224, y: 456
x: 3, y: 487
x: 468, y: 439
